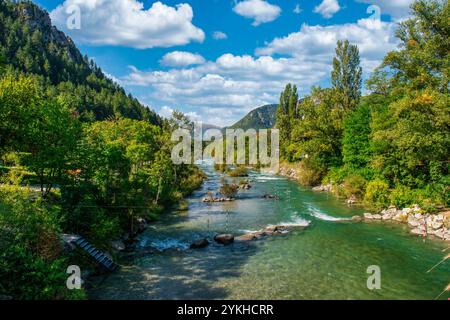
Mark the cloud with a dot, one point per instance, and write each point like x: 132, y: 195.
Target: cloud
x: 127, y: 23
x: 258, y: 10
x: 165, y: 112
x: 374, y: 38
x: 222, y: 91
x: 328, y: 8
x: 181, y: 59
x: 219, y: 35
x: 398, y: 9
x: 297, y: 9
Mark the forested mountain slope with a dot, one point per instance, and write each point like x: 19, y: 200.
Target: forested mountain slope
x: 30, y: 44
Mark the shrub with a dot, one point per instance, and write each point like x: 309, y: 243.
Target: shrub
x: 31, y: 265
x: 354, y: 186
x: 238, y: 172
x: 309, y: 174
x: 402, y: 196
x: 377, y: 194
x: 228, y: 190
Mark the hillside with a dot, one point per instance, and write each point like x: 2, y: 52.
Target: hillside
x: 261, y: 118
x: 31, y: 45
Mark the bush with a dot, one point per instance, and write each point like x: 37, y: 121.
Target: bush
x: 377, y: 194
x: 31, y: 266
x: 228, y: 190
x: 402, y: 196
x: 355, y: 186
x: 310, y: 174
x: 238, y: 172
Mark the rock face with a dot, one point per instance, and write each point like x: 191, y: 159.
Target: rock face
x: 199, y: 244
x: 421, y: 224
x: 224, y: 239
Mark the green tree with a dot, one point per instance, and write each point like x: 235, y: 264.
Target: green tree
x: 356, y: 150
x: 346, y: 76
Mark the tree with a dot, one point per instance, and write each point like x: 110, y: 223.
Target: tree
x: 423, y: 60
x: 286, y: 112
x: 356, y: 149
x: 346, y: 76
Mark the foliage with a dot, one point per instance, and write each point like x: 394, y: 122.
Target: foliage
x: 346, y: 76
x: 377, y: 194
x: 239, y: 171
x: 30, y: 262
x: 354, y: 186
x: 228, y: 190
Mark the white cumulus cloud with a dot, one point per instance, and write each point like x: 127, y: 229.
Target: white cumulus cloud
x: 127, y: 23
x: 225, y: 89
x: 397, y: 9
x: 327, y: 8
x: 258, y: 10
x: 219, y: 35
x: 181, y: 59
x: 374, y: 39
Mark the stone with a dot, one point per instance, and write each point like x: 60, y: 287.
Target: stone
x: 118, y: 245
x: 199, y: 244
x: 418, y: 232
x: 224, y: 239
x: 356, y: 218
x: 368, y: 216
x: 377, y: 216
x: 322, y: 188
x: 440, y: 234
x: 412, y: 221
x: 352, y: 200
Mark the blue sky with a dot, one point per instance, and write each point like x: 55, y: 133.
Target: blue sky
x: 218, y: 59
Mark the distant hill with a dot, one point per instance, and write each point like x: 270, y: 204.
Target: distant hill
x: 261, y: 118
x: 31, y: 45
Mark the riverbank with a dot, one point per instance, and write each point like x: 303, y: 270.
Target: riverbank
x: 420, y: 223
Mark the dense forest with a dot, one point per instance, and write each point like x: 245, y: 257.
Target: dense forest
x: 61, y: 169
x: 392, y: 146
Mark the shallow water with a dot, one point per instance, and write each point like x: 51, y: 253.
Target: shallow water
x: 327, y: 260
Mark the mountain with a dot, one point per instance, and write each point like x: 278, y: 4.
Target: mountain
x: 261, y: 118
x: 30, y: 44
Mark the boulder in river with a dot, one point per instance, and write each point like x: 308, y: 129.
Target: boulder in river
x: 271, y: 196
x: 199, y: 244
x: 224, y: 239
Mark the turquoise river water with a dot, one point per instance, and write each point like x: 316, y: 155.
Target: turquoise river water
x: 326, y: 260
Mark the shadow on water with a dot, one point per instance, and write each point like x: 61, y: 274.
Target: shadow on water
x: 176, y: 274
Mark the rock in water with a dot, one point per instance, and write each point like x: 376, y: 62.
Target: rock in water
x: 199, y: 244
x: 224, y: 239
x: 118, y: 245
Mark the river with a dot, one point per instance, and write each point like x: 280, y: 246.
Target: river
x: 326, y: 260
